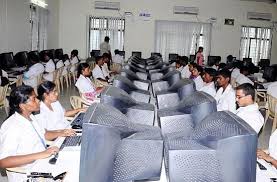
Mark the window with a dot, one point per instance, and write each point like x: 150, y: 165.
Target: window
x: 255, y: 43
x: 106, y: 26
x: 182, y: 38
x: 38, y: 27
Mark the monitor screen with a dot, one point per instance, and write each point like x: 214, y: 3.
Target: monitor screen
x: 213, y: 59
x: 122, y: 53
x: 172, y: 57
x: 95, y: 53
x: 136, y: 53
x: 7, y: 60
x: 21, y: 58
x: 192, y: 58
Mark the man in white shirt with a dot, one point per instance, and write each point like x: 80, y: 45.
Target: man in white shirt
x: 117, y: 58
x: 196, y: 74
x: 209, y: 77
x: 30, y: 76
x: 248, y: 110
x: 105, y: 46
x: 97, y: 72
x: 241, y: 79
x: 225, y: 96
x: 272, y: 89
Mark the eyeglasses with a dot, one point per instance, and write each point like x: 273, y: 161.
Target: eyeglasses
x: 239, y: 97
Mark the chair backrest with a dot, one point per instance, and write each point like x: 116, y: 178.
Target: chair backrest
x: 19, y: 80
x: 272, y: 103
x: 39, y: 78
x: 76, y: 102
x: 3, y: 93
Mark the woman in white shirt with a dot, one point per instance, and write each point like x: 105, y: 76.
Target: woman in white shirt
x: 84, y: 84
x: 183, y: 67
x: 22, y: 139
x: 271, y: 155
x: 30, y: 76
x: 197, y: 78
x: 52, y: 109
x: 74, y: 60
x: 209, y: 77
x: 66, y: 63
x: 49, y: 67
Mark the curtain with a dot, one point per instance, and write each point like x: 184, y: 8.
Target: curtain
x: 182, y: 38
x: 255, y: 43
x: 100, y: 27
x: 38, y: 23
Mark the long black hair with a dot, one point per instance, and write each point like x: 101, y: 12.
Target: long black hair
x: 81, y: 67
x: 45, y: 87
x: 19, y: 95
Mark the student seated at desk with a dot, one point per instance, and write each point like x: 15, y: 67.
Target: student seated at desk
x: 271, y: 155
x: 183, y: 67
x: 85, y: 86
x: 248, y: 110
x: 197, y: 76
x: 74, y: 59
x: 22, y: 139
x: 36, y: 68
x: 4, y: 80
x: 225, y: 95
x: 209, y: 77
x: 272, y: 89
x: 98, y: 72
x: 49, y: 67
x: 52, y: 109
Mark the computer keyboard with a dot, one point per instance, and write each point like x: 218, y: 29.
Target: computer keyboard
x: 71, y: 141
x: 78, y: 120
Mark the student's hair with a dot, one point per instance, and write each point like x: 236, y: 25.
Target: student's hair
x: 98, y: 58
x: 92, y: 54
x: 243, y: 69
x: 212, y: 72
x: 248, y: 89
x: 106, y: 55
x: 34, y: 58
x: 74, y: 52
x: 199, y: 69
x: 184, y: 60
x: 200, y: 48
x: 81, y: 67
x: 45, y: 53
x: 225, y: 73
x: 230, y: 58
x: 116, y: 51
x: 107, y: 39
x: 65, y: 57
x: 19, y: 95
x: 221, y: 66
x: 193, y: 64
x: 45, y: 87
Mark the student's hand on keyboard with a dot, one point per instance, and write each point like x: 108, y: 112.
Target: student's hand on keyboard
x: 68, y: 132
x: 262, y: 155
x: 83, y: 109
x: 49, y: 151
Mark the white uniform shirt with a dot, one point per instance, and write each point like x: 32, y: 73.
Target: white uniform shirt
x: 185, y: 73
x: 19, y: 137
x: 226, y: 100
x: 209, y: 88
x: 241, y: 79
x: 59, y: 64
x: 84, y: 85
x: 272, y: 89
x: 5, y: 74
x: 73, y: 62
x: 118, y: 59
x: 106, y: 70
x: 235, y: 73
x: 50, y: 68
x: 272, y: 149
x: 198, y: 82
x: 52, y: 120
x: 251, y: 115
x: 97, y: 72
x: 104, y: 48
x: 66, y: 64
x: 30, y: 76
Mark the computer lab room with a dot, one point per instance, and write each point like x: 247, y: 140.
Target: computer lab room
x: 138, y: 91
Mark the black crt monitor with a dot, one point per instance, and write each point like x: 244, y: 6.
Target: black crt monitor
x: 136, y: 53
x: 247, y: 61
x: 156, y: 54
x: 213, y: 59
x: 122, y: 53
x: 192, y: 58
x: 264, y: 63
x: 95, y: 52
x: 172, y: 57
x: 7, y: 61
x: 270, y: 73
x: 21, y: 58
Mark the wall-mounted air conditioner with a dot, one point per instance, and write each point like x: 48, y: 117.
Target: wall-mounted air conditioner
x: 185, y: 10
x: 107, y: 5
x: 259, y: 16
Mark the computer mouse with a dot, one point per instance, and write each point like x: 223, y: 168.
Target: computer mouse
x: 76, y: 127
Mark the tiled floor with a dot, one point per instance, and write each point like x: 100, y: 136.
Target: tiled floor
x: 67, y: 92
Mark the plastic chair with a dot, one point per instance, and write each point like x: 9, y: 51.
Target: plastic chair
x: 3, y: 99
x: 271, y: 111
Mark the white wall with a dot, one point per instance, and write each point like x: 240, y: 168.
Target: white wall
x: 53, y: 24
x: 14, y: 25
x: 140, y: 35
